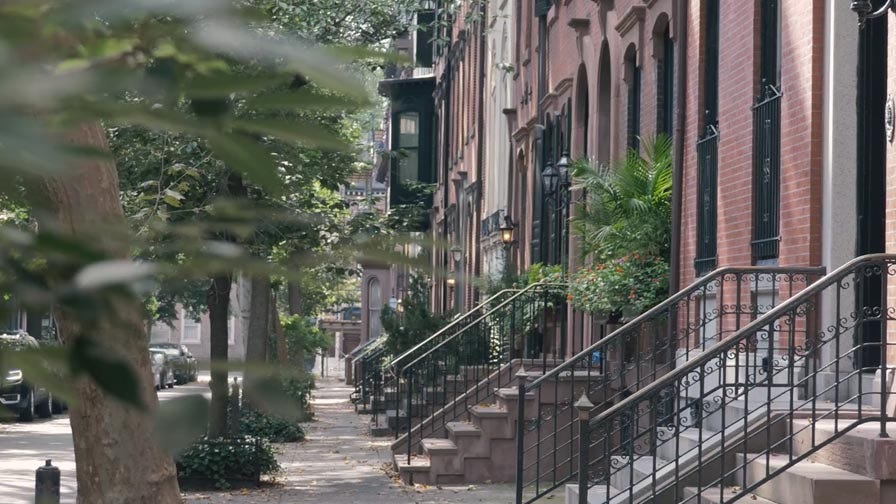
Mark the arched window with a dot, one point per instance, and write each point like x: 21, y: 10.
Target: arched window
x: 603, y: 105
x: 581, y: 115
x: 374, y: 306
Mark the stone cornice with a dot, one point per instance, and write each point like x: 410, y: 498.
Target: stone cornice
x: 563, y: 86
x: 579, y: 24
x: 632, y: 17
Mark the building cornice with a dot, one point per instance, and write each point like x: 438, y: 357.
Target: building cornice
x: 634, y: 15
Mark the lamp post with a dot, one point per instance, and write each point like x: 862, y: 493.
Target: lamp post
x: 508, y: 241
x: 557, y: 180
x: 457, y: 254
x: 863, y: 9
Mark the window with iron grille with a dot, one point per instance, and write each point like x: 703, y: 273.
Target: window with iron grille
x: 708, y: 146
x: 634, y: 106
x: 665, y: 78
x: 767, y: 139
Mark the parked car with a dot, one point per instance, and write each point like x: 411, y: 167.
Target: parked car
x: 186, y: 369
x: 162, y: 369
x: 17, y: 393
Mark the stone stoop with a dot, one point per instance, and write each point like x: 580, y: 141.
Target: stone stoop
x: 807, y: 482
x: 480, y: 450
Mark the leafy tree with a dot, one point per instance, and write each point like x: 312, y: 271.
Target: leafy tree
x: 190, y: 66
x: 415, y: 322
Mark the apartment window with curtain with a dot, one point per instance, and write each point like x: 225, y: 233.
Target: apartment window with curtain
x: 633, y: 76
x: 374, y: 306
x: 408, y: 144
x: 708, y: 145
x: 767, y: 138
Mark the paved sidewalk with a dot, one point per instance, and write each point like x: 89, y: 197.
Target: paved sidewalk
x: 341, y: 464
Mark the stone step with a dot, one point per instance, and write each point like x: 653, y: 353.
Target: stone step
x: 469, y: 439
x: 715, y: 495
x: 493, y: 420
x: 443, y: 459
x: 860, y: 450
x: 415, y: 472
x: 630, y: 474
x: 806, y: 482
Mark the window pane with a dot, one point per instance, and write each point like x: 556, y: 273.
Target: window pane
x: 408, y: 165
x: 409, y: 131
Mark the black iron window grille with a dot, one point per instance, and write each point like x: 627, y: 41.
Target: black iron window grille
x: 707, y: 186
x: 767, y: 139
x: 766, y: 173
x: 634, y: 107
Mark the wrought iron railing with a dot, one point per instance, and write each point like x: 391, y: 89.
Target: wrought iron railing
x: 708, y: 163
x: 819, y: 358
x: 521, y: 326
x: 632, y: 357
x: 389, y: 383
x: 367, y: 373
x: 766, y: 172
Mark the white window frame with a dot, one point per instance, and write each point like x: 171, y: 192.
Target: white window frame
x: 185, y: 323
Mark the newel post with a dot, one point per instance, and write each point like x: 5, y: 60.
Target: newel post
x: 521, y: 379
x: 584, y: 406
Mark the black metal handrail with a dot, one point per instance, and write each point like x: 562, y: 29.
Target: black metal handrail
x: 739, y: 400
x: 518, y: 327
x: 635, y: 355
x: 367, y: 372
x: 451, y: 328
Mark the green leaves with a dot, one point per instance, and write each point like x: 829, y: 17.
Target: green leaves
x: 246, y: 156
x: 180, y: 421
x: 111, y: 373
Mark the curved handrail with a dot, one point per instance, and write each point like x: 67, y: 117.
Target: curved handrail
x: 394, y: 362
x: 375, y: 344
x: 727, y: 343
x: 482, y: 317
x: 667, y: 303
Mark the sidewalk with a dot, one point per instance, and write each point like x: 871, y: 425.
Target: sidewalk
x: 341, y: 464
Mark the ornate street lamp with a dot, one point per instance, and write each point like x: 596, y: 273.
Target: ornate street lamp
x: 863, y: 9
x: 457, y: 254
x: 450, y: 281
x: 550, y: 176
x: 565, y: 176
x: 507, y: 232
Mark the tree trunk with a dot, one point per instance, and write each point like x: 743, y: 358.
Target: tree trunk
x: 34, y: 323
x: 295, y: 307
x: 282, y: 354
x: 117, y: 457
x: 259, y: 331
x: 295, y: 298
x: 218, y: 301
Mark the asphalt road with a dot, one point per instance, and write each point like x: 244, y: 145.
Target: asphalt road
x: 26, y: 446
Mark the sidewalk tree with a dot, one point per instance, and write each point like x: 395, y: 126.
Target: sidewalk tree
x: 67, y: 67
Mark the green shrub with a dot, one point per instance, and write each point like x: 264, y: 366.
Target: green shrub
x: 299, y: 389
x: 220, y: 460
x: 270, y: 427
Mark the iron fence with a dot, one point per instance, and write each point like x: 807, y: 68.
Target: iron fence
x: 765, y: 398
x: 633, y: 357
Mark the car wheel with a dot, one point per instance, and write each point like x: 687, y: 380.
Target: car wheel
x: 44, y: 408
x: 27, y: 414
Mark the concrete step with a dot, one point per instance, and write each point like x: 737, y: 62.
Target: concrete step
x: 469, y: 439
x: 807, y: 482
x: 443, y: 459
x: 415, y: 472
x: 715, y: 495
x: 630, y: 474
x: 494, y: 421
x: 860, y: 450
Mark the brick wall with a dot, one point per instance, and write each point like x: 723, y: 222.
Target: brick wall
x: 802, y: 48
